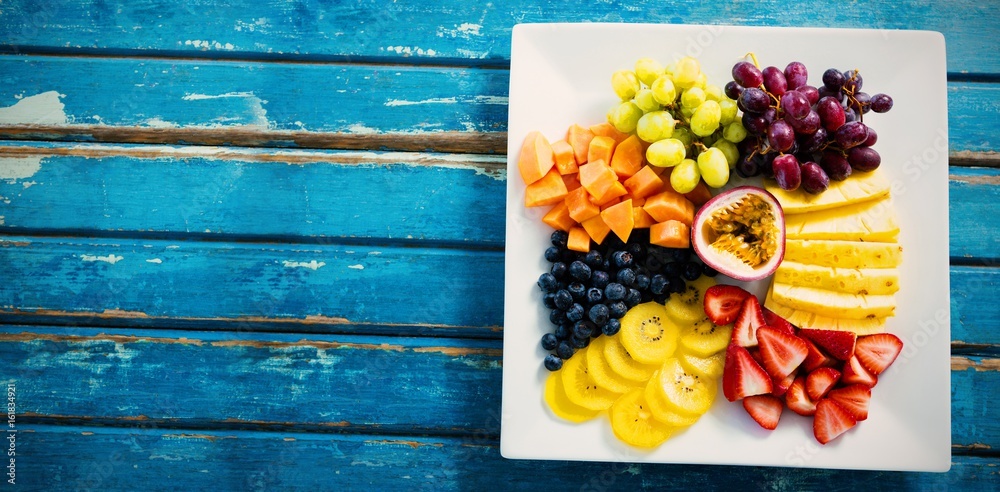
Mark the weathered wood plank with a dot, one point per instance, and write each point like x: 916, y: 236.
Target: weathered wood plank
x: 446, y: 31
x: 100, y: 458
x: 975, y: 317
x: 974, y: 204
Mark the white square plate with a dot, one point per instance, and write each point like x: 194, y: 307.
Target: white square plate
x: 560, y: 74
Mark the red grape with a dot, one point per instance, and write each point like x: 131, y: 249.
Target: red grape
x: 864, y: 159
x: 787, y: 172
x: 831, y: 113
x: 781, y: 136
x: 796, y: 74
x: 814, y: 179
x: 835, y: 165
x: 747, y: 74
x: 774, y: 81
x: 851, y: 134
x: 881, y: 103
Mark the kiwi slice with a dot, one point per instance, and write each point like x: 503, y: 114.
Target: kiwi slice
x: 661, y: 410
x: 602, y: 373
x: 648, y: 334
x: 633, y: 423
x: 622, y: 362
x: 710, y: 367
x: 684, y: 390
x: 580, y: 386
x: 689, y: 306
x: 704, y: 338
x: 560, y: 404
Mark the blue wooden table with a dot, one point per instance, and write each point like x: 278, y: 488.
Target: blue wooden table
x: 259, y: 244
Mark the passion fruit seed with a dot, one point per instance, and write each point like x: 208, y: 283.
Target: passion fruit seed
x: 746, y: 229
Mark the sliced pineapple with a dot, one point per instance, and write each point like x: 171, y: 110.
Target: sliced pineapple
x: 834, y: 304
x: 844, y: 254
x: 862, y: 281
x: 873, y: 220
x: 803, y: 319
x: 859, y: 187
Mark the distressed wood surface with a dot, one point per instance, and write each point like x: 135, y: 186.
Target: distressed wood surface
x: 442, y: 32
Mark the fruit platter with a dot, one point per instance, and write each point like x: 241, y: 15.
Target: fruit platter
x: 727, y: 245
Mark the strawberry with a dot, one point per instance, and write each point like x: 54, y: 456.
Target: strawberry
x: 877, y: 352
x: 831, y: 421
x: 798, y: 400
x: 780, y: 386
x: 773, y: 320
x: 742, y: 376
x: 817, y: 358
x: 821, y: 381
x: 854, y: 398
x: 839, y: 344
x: 782, y: 353
x: 855, y: 373
x: 765, y: 409
x: 747, y: 322
x: 723, y: 303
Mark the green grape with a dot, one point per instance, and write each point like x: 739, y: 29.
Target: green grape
x: 714, y: 93
x: 735, y: 132
x: 729, y: 150
x: 687, y: 113
x: 692, y: 98
x: 648, y: 70
x: 702, y: 81
x: 684, y: 135
x: 665, y: 153
x: 714, y: 168
x: 663, y: 90
x: 685, y: 176
x: 706, y: 118
x: 625, y: 116
x: 670, y: 70
x: 687, y: 72
x: 728, y: 111
x: 625, y: 84
x: 654, y: 126
x: 708, y: 140
x: 646, y: 100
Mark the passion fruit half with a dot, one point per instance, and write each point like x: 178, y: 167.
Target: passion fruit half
x: 740, y: 233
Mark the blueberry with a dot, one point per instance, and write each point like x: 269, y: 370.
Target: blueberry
x: 553, y: 362
x: 636, y: 250
x: 658, y: 284
x: 577, y: 290
x: 606, y: 264
x: 642, y: 281
x: 612, y: 327
x: 564, y: 350
x: 558, y: 270
x: 569, y: 256
x: 579, y: 270
x: 677, y: 285
x: 575, y: 312
x: 708, y: 271
x: 691, y: 271
x: 594, y: 259
x: 617, y: 309
x: 579, y: 342
x: 680, y: 254
x: 600, y: 279
x: 549, y: 300
x: 672, y: 269
x: 622, y: 259
x: 582, y: 330
x: 594, y: 295
x: 634, y: 298
x: 548, y: 282
x: 557, y: 316
x: 549, y: 341
x: 559, y: 239
x: 599, y: 314
x: 615, y: 292
x: 563, y: 332
x: 626, y: 277
x: 564, y: 299
x: 661, y: 298
x: 552, y: 254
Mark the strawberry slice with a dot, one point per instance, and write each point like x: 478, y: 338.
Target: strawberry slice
x: 831, y: 421
x: 877, y: 352
x: 854, y: 398
x: 723, y: 303
x: 821, y: 381
x: 839, y: 344
x: 817, y: 358
x: 747, y: 322
x: 855, y: 373
x: 742, y: 376
x: 780, y: 386
x: 773, y: 320
x: 765, y: 409
x: 798, y: 400
x: 782, y: 353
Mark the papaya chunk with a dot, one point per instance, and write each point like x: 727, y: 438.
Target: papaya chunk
x: 597, y: 177
x: 601, y: 149
x: 536, y: 158
x: 579, y: 240
x: 628, y: 157
x: 564, y: 157
x: 559, y: 218
x: 580, y: 206
x: 700, y: 194
x: 670, y: 205
x: 670, y: 234
x: 644, y: 183
x: 579, y: 138
x: 617, y: 190
x: 607, y: 130
x: 549, y: 190
x: 619, y: 218
x: 596, y: 228
x: 641, y: 219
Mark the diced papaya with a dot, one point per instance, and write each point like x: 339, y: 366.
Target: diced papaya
x: 640, y: 218
x: 580, y: 206
x: 610, y: 203
x: 572, y: 181
x: 565, y: 158
x: 670, y: 205
x: 638, y: 202
x: 579, y: 138
x: 607, y: 130
x: 628, y: 157
x: 579, y: 240
x: 546, y: 191
x: 601, y: 149
x: 559, y: 218
x: 597, y: 177
x: 536, y: 158
x: 596, y: 228
x: 619, y: 219
x: 700, y: 194
x: 644, y: 183
x: 617, y: 190
x: 670, y: 234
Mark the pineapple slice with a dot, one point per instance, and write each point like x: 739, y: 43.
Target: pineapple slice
x: 862, y: 281
x: 859, y: 187
x: 802, y: 319
x: 866, y: 221
x: 843, y: 254
x: 834, y: 304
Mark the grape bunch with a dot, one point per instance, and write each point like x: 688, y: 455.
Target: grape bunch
x: 689, y: 124
x: 802, y: 135
x: 588, y: 293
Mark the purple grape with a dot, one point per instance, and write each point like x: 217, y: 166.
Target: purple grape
x: 872, y: 137
x: 770, y: 115
x: 754, y: 100
x: 850, y: 115
x: 747, y: 74
x: 733, y: 89
x: 781, y: 136
x: 754, y: 124
x: 795, y: 104
x: 835, y: 165
x: 825, y: 92
x: 860, y: 102
x: 748, y: 167
x: 881, y: 103
x: 864, y: 159
x: 833, y: 80
x: 748, y: 146
x: 774, y: 81
x: 852, y: 82
x: 767, y: 165
x: 814, y: 142
x: 814, y: 178
x: 811, y: 93
x: 787, y: 172
x: 796, y: 75
x: 851, y: 134
x: 831, y: 114
x: 805, y: 126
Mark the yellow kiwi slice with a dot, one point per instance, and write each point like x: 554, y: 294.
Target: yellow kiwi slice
x: 704, y: 339
x: 689, y: 306
x: 602, y: 373
x: 580, y: 386
x: 661, y: 409
x: 684, y: 390
x: 634, y: 424
x: 648, y: 334
x: 710, y: 367
x: 560, y: 404
x: 622, y: 362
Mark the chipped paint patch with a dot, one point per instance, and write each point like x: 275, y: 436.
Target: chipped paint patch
x: 40, y: 109
x: 356, y: 267
x: 312, y: 265
x: 499, y: 100
x: 965, y: 363
x: 29, y: 184
x: 407, y: 50
x: 15, y: 168
x: 154, y: 260
x: 206, y: 45
x: 158, y: 123
x: 112, y: 259
x: 254, y: 106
